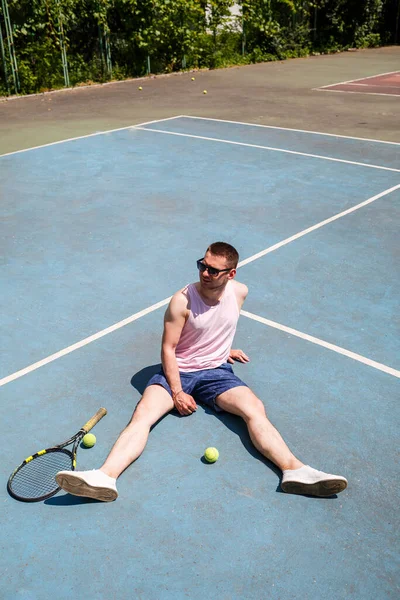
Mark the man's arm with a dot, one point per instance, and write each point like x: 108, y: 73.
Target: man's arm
x: 241, y: 291
x: 174, y: 321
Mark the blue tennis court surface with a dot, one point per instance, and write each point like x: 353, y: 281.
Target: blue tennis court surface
x: 98, y: 233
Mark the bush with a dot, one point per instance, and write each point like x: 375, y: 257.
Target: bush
x: 369, y: 40
x: 179, y: 34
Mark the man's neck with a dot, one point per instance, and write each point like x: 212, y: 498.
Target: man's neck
x: 211, y: 297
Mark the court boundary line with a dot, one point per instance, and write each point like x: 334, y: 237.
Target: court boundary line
x: 81, y: 137
x: 269, y: 148
x: 304, y: 232
x: 353, y: 92
x: 324, y: 344
x: 82, y: 343
x: 153, y: 307
x: 337, y: 135
x: 394, y: 87
x: 358, y: 79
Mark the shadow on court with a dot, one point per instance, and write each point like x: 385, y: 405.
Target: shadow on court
x: 70, y: 500
x: 232, y: 422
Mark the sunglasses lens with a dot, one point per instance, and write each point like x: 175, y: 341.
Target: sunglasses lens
x: 211, y: 270
x: 202, y: 267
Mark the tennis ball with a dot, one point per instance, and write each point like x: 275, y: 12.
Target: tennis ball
x: 140, y: 87
x: 192, y: 78
x: 211, y: 455
x: 205, y: 92
x: 89, y: 440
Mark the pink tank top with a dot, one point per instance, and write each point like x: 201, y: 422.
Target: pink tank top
x: 207, y: 335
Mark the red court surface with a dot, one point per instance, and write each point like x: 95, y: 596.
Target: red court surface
x: 385, y: 84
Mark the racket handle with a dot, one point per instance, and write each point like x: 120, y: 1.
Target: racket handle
x: 95, y: 419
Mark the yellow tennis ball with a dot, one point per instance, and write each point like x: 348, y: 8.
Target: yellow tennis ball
x: 89, y: 440
x: 205, y: 92
x: 192, y: 78
x: 211, y: 455
x: 140, y: 87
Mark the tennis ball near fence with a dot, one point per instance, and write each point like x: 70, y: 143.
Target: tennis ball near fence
x: 140, y: 88
x: 211, y: 455
x: 192, y: 78
x: 205, y: 92
x: 89, y: 440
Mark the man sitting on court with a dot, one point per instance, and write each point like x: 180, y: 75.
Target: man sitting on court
x: 199, y: 327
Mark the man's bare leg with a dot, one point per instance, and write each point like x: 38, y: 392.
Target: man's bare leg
x: 243, y: 402
x: 297, y: 477
x: 101, y: 483
x: 155, y: 403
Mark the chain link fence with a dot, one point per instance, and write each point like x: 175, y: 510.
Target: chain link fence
x: 48, y: 44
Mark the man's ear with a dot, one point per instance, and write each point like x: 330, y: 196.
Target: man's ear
x: 232, y: 274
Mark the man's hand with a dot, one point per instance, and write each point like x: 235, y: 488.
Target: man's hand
x: 184, y: 403
x: 238, y: 355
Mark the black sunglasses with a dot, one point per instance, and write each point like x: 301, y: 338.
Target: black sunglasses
x: 211, y: 270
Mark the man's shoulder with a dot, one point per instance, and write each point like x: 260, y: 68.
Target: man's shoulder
x: 181, y: 298
x: 241, y: 289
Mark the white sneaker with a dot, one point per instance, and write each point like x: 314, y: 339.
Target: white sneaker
x: 307, y: 480
x: 91, y: 484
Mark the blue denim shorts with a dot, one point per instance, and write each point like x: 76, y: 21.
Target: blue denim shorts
x: 203, y: 385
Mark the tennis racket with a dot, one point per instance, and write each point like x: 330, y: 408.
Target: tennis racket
x: 35, y: 478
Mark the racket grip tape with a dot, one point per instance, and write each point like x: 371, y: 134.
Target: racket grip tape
x: 95, y: 419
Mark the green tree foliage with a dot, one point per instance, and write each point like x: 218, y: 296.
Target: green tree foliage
x: 169, y: 30
x: 350, y: 22
x: 105, y: 39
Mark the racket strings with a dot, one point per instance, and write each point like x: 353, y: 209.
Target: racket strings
x: 37, y: 478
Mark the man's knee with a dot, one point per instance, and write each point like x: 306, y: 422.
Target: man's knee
x: 139, y: 411
x: 254, y: 408
x: 243, y: 402
x: 143, y: 412
x: 154, y: 404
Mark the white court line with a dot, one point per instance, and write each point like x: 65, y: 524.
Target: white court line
x: 336, y: 135
x: 352, y: 92
x: 84, y: 342
x: 150, y: 309
x: 323, y: 343
x: 394, y: 87
x: 81, y: 137
x: 359, y: 79
x: 318, y: 225
x: 259, y: 147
